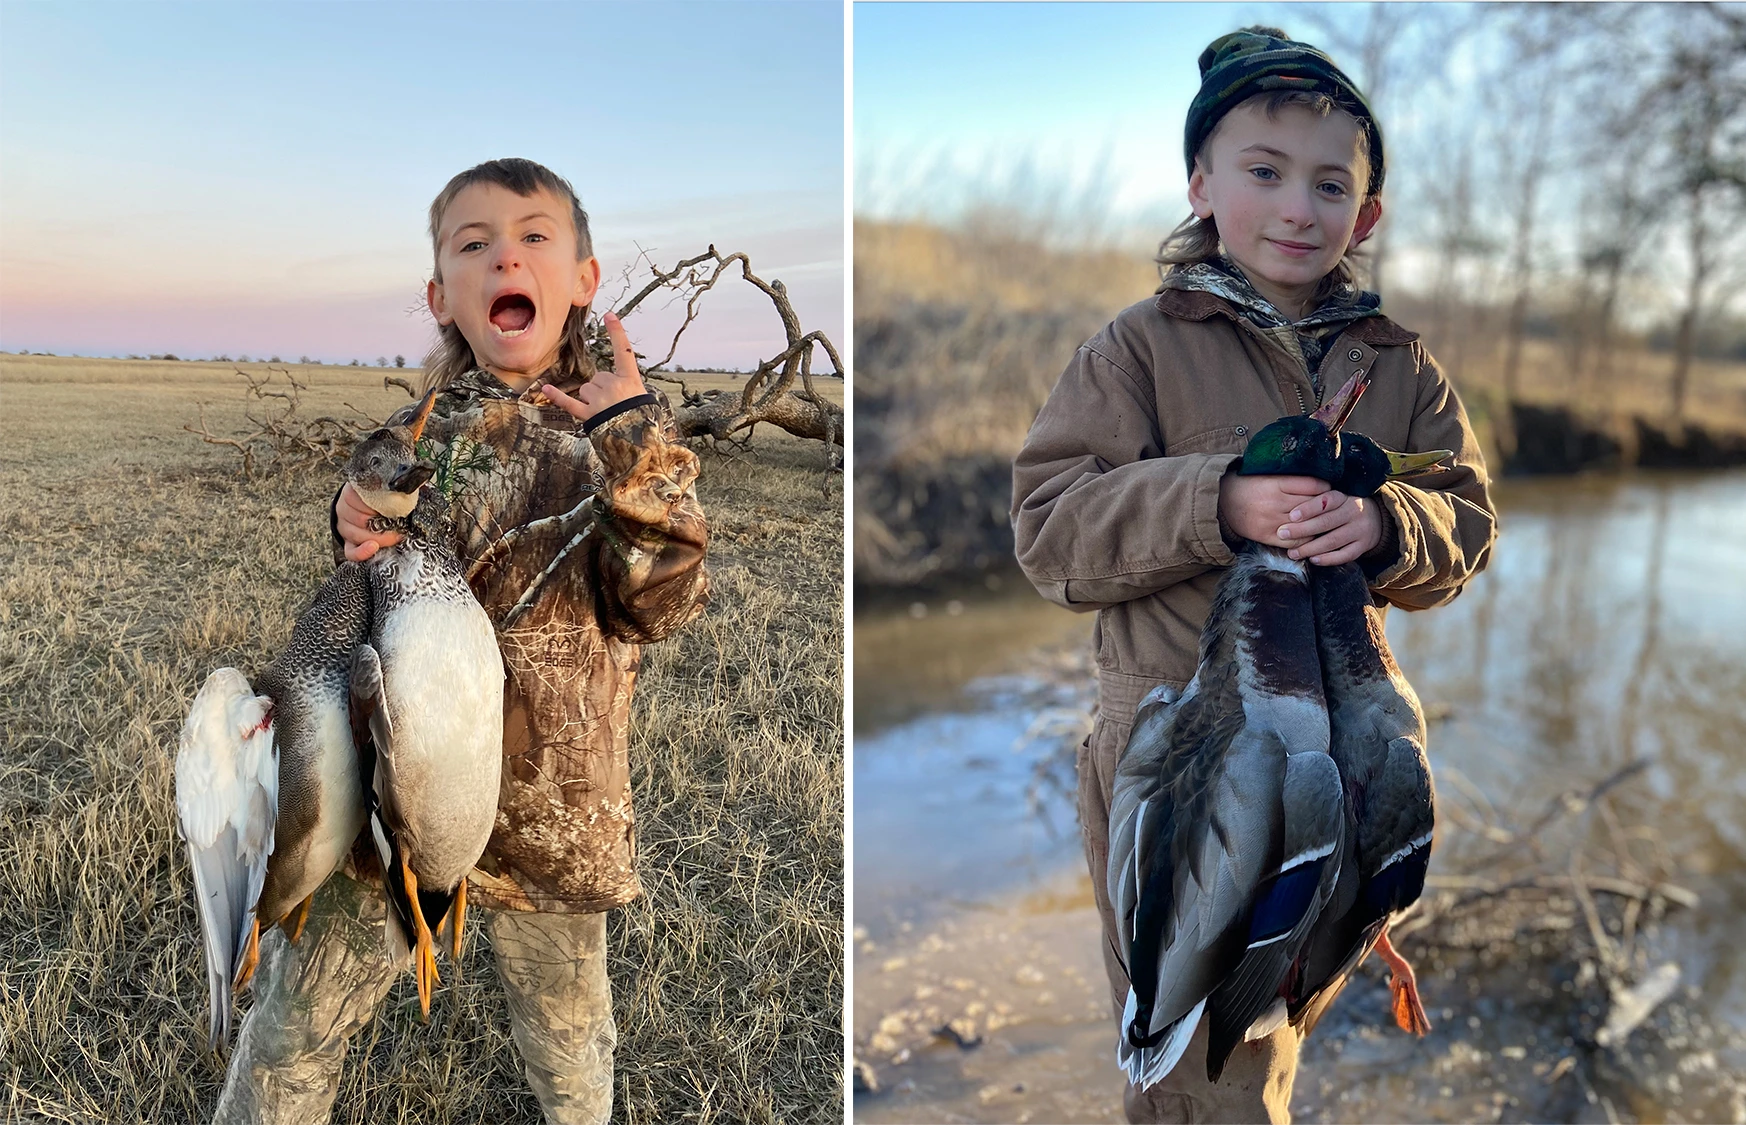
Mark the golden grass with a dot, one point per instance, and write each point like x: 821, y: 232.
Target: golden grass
x: 133, y: 560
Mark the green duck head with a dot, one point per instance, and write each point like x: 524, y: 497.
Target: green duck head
x: 1365, y: 465
x: 1306, y: 445
x: 1312, y: 445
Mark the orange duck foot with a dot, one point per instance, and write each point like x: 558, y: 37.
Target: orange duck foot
x: 1409, y: 1012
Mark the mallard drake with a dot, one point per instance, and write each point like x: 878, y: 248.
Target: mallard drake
x: 1230, y: 835
x: 427, y: 718
x: 269, y: 796
x: 1378, y: 743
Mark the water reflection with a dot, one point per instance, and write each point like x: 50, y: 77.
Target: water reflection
x: 1610, y: 626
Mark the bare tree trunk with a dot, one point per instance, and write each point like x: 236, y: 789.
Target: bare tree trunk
x: 769, y: 394
x: 1684, y: 337
x: 1527, y: 205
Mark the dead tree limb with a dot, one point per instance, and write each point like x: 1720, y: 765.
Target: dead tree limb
x: 281, y: 437
x: 769, y: 394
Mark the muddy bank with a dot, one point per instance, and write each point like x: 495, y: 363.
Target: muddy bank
x: 931, y: 524
x: 1557, y: 439
x: 1002, y: 1014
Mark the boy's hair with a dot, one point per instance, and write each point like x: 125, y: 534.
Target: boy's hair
x: 1197, y: 240
x: 451, y: 355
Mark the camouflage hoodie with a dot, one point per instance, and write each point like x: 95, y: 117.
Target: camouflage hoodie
x: 582, y: 548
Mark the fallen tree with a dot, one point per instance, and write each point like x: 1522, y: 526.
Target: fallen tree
x: 281, y: 438
x: 770, y: 394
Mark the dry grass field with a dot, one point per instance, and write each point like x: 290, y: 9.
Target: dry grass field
x: 133, y: 560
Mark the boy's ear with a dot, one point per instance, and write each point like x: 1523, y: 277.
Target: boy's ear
x: 1369, y: 214
x: 433, y: 296
x: 587, y: 282
x: 1197, y: 196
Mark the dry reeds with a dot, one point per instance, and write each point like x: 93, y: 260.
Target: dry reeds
x: 133, y: 560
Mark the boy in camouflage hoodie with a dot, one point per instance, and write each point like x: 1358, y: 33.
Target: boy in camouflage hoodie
x: 577, y: 516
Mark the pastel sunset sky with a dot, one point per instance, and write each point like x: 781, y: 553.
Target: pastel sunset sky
x: 254, y: 178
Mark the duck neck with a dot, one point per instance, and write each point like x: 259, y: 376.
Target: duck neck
x: 1263, y: 623
x: 1354, y: 649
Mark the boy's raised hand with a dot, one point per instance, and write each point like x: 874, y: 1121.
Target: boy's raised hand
x: 352, y: 518
x: 606, y: 387
x: 1301, y: 515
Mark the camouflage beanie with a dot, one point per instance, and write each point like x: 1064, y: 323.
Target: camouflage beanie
x: 1260, y: 60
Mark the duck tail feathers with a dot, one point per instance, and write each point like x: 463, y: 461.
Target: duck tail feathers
x: 227, y: 799
x: 397, y: 922
x: 1147, y: 1066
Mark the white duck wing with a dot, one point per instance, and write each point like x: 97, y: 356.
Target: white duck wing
x: 227, y: 800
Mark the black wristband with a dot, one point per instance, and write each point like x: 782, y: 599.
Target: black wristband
x: 617, y: 408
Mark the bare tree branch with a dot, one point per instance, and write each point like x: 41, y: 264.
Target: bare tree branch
x: 769, y: 394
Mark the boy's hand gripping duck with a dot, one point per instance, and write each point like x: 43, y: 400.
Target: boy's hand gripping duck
x: 1231, y: 833
x: 270, y: 788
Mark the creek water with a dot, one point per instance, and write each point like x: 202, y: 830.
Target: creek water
x: 1609, y: 627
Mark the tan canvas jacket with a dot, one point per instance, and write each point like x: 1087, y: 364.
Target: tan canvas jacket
x: 629, y: 570
x: 1115, y: 492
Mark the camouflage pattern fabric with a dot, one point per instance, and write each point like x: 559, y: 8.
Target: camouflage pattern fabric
x: 1261, y: 60
x: 581, y: 548
x: 1306, y: 340
x: 311, y: 998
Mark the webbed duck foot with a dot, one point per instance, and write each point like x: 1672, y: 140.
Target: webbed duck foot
x: 424, y: 960
x: 1409, y: 1012
x: 251, y: 957
x: 293, y: 922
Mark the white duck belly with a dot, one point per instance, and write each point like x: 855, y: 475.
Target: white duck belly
x: 443, y: 680
x: 340, y: 800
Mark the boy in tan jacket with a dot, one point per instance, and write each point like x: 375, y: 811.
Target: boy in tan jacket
x: 1123, y: 498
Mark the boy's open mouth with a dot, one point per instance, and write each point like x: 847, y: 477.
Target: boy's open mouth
x: 511, y: 314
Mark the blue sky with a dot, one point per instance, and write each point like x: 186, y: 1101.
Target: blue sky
x: 1094, y: 93
x: 254, y: 177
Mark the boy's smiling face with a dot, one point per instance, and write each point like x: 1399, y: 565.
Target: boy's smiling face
x: 508, y: 276
x: 1287, y: 193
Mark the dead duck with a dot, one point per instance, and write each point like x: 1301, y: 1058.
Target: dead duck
x: 426, y: 711
x: 1225, y: 823
x: 1378, y: 743
x: 269, y: 797
x: 1230, y: 837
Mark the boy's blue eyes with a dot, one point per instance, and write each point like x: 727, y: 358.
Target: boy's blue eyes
x: 1268, y: 175
x: 478, y: 242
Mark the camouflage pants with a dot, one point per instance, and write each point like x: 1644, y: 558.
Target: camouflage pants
x: 1256, y: 1083
x: 310, y: 998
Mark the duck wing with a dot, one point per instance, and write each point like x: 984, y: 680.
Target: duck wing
x: 1377, y: 742
x: 227, y: 799
x: 373, y: 735
x: 1248, y: 1004
x: 1206, y: 825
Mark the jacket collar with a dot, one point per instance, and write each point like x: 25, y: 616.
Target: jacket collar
x: 1189, y: 304
x: 481, y: 384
